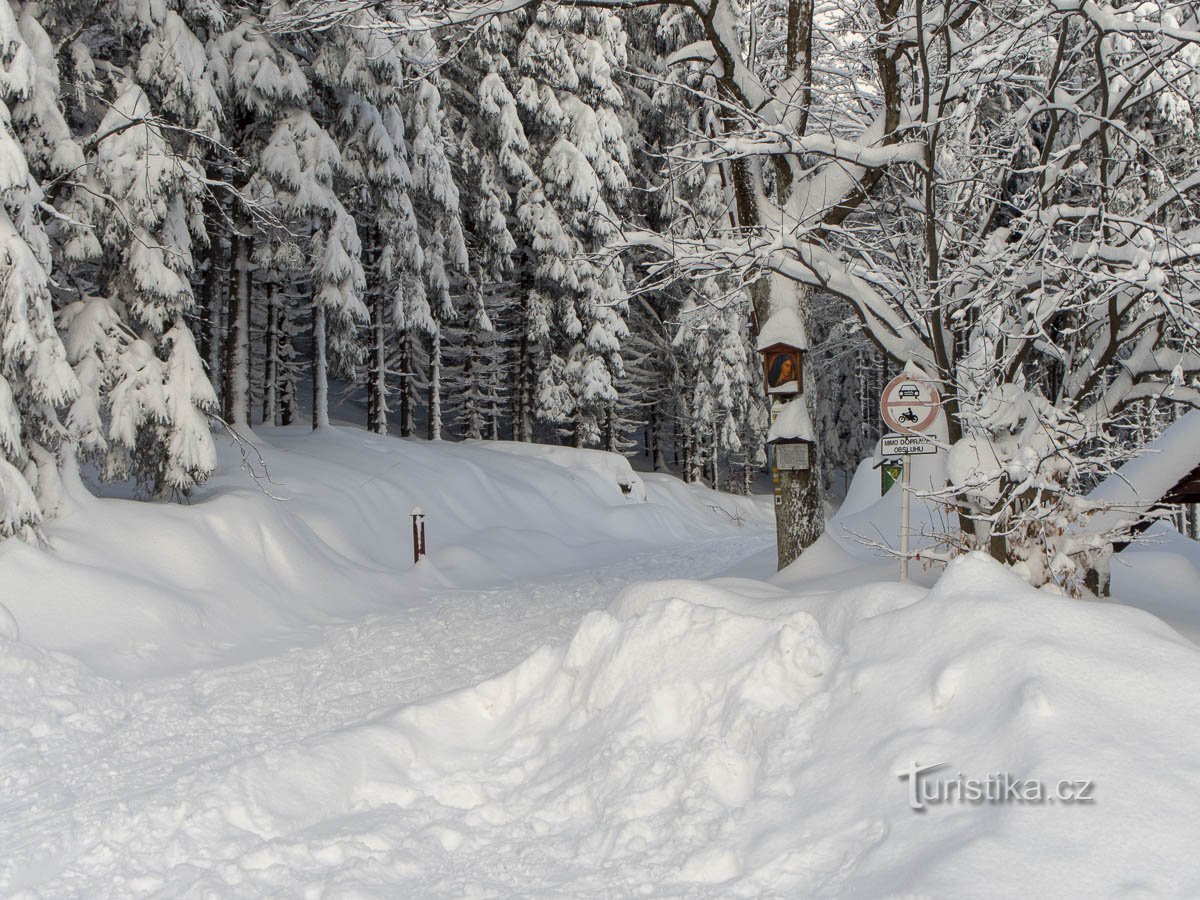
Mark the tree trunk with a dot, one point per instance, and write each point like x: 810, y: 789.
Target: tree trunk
x: 689, y: 454
x: 271, y: 363
x: 217, y: 309
x: 799, y: 517
x: 237, y: 342
x: 376, y: 371
x: 320, y: 370
x: 523, y: 395
x: 470, y: 410
x: 212, y: 300
x: 435, y: 385
x: 406, y: 389
x: 494, y: 418
x: 657, y: 463
x: 287, y: 356
x: 799, y: 511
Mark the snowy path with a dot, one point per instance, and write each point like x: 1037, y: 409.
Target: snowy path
x: 108, y: 782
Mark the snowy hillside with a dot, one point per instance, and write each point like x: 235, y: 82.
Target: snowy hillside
x: 265, y: 697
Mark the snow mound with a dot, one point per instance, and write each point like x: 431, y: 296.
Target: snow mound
x: 1160, y: 573
x: 699, y: 741
x: 604, y: 470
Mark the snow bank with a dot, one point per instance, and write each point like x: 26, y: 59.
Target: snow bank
x: 1160, y: 573
x: 723, y: 740
x: 137, y: 588
x: 603, y: 469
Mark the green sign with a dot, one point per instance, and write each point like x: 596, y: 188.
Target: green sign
x: 889, y: 474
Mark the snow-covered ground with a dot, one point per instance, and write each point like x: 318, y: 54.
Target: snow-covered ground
x: 586, y: 690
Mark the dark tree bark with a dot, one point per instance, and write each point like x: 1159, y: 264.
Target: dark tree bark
x: 406, y: 388
x: 270, y: 409
x: 236, y: 398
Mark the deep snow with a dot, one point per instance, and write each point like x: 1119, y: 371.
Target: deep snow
x: 249, y: 697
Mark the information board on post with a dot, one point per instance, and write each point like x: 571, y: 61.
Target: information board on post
x: 906, y: 444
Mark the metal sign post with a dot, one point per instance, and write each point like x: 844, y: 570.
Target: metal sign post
x: 905, y: 506
x: 908, y: 406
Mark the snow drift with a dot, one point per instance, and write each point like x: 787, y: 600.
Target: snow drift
x: 134, y: 588
x: 734, y: 739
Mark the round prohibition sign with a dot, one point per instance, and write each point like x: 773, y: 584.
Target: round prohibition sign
x: 909, y: 406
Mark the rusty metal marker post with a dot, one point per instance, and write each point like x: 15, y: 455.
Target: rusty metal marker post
x: 908, y: 406
x: 418, y: 522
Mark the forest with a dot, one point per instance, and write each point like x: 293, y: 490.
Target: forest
x: 569, y: 223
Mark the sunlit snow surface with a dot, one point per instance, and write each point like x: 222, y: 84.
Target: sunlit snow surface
x: 276, y: 702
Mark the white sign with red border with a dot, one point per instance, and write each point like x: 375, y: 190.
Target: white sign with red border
x: 909, y: 405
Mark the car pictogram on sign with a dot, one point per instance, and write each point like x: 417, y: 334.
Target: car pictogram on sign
x: 910, y: 392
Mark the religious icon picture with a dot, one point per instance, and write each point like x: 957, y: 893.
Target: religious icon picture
x: 781, y: 367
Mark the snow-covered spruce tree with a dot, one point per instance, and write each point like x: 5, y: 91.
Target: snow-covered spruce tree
x: 445, y: 251
x: 36, y: 380
x: 494, y: 161
x: 363, y: 74
x: 713, y: 335
x: 493, y: 166
x: 178, y: 76
x: 188, y: 398
x: 286, y: 146
x: 280, y: 262
x: 338, y: 281
x: 475, y: 371
x: 569, y: 102
x: 141, y: 106
x: 258, y: 79
x: 653, y: 374
x: 147, y: 240
x: 497, y: 167
x: 657, y: 372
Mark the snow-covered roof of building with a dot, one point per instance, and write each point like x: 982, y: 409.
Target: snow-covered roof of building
x: 784, y: 326
x: 793, y: 423
x: 1161, y: 465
